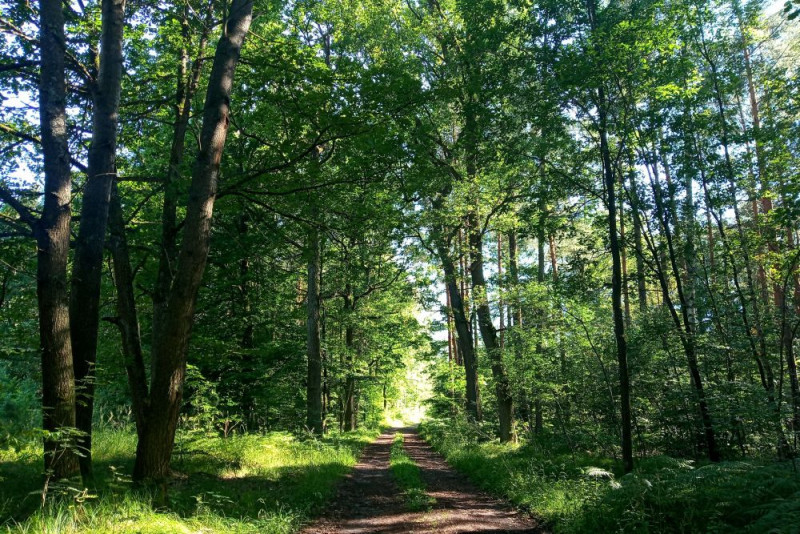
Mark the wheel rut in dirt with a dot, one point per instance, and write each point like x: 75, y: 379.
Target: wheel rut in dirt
x: 370, y: 501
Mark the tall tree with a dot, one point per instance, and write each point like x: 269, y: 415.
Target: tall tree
x: 154, y: 448
x: 88, y: 262
x: 614, y: 245
x: 52, y: 241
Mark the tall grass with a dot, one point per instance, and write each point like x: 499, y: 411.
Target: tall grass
x: 241, y: 484
x: 584, y: 493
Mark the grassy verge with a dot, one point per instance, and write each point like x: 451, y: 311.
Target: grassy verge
x: 408, y: 478
x: 250, y: 483
x: 584, y: 493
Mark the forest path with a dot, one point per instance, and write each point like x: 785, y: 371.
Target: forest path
x: 369, y: 500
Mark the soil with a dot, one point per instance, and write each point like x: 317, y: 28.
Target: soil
x: 368, y: 500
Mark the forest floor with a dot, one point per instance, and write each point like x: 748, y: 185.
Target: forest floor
x: 370, y: 499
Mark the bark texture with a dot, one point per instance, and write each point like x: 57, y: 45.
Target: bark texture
x: 52, y: 240
x: 489, y: 334
x: 462, y: 324
x: 169, y: 349
x: 87, y: 267
x: 313, y: 344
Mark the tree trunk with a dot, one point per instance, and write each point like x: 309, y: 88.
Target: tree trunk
x: 313, y: 345
x: 169, y: 350
x: 616, y: 286
x: 489, y: 333
x: 516, y: 338
x: 350, y: 414
x: 616, y: 267
x: 637, y: 243
x: 127, y: 319
x: 184, y: 94
x: 624, y: 258
x: 88, y: 262
x: 462, y: 324
x: 52, y: 240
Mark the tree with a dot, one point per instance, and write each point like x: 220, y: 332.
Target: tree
x: 154, y: 448
x: 88, y: 262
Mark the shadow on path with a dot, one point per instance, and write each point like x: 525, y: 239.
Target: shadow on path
x: 369, y: 500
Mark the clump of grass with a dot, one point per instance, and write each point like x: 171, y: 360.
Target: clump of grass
x: 241, y: 484
x: 406, y: 472
x: 584, y: 493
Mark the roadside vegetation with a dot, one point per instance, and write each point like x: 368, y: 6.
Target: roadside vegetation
x: 584, y: 492
x: 271, y: 483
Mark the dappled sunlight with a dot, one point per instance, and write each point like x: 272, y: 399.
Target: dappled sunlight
x: 248, y: 483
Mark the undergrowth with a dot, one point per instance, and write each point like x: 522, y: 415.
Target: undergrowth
x: 583, y: 493
x: 240, y: 484
x: 407, y: 474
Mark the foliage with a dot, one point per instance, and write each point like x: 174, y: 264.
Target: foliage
x: 410, y: 141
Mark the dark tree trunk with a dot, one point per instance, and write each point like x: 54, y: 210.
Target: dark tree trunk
x: 462, y: 325
x: 313, y: 344
x: 616, y: 295
x: 169, y: 349
x: 52, y: 240
x: 516, y: 337
x: 616, y: 265
x: 186, y: 88
x: 127, y: 317
x: 489, y: 333
x: 350, y: 414
x: 87, y: 268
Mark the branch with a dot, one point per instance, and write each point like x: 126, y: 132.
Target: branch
x: 18, y: 66
x: 33, y: 139
x: 24, y: 213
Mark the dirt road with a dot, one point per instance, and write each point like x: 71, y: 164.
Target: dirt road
x: 368, y: 500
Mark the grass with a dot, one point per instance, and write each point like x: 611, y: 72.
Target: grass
x: 241, y: 484
x: 406, y: 472
x: 585, y: 493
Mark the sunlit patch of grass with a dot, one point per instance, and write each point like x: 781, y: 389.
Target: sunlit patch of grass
x: 407, y: 474
x: 240, y: 484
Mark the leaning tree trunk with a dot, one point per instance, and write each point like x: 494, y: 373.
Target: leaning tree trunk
x: 463, y: 330
x: 187, y: 85
x: 169, y: 349
x: 52, y: 240
x: 88, y: 263
x: 489, y: 333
